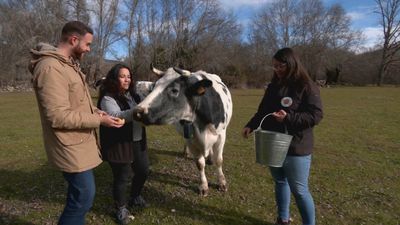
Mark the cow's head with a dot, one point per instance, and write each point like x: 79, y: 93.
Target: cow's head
x: 173, y: 98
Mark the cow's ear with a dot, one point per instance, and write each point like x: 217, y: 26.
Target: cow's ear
x: 199, y: 88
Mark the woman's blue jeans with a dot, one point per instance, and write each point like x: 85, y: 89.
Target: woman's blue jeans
x: 293, y: 177
x: 80, y: 196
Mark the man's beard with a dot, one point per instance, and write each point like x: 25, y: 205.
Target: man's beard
x: 77, y: 53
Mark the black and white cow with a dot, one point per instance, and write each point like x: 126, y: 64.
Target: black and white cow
x: 200, y: 106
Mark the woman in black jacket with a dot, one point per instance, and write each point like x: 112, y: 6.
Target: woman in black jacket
x: 295, y: 103
x: 124, y: 148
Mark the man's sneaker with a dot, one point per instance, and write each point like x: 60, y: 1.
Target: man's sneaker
x: 138, y: 201
x: 124, y: 216
x: 279, y: 221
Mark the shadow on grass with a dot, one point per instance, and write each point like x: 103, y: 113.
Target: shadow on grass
x: 197, y: 211
x: 179, y: 199
x: 186, y: 183
x: 41, y: 186
x: 7, y: 219
x: 176, y: 180
x: 46, y: 185
x: 26, y: 192
x: 166, y: 152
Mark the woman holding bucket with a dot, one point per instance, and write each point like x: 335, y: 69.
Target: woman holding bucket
x: 294, y: 103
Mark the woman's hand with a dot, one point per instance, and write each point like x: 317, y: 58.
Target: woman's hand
x: 246, y: 131
x: 109, y: 121
x: 280, y: 115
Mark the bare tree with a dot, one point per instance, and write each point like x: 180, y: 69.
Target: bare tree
x: 274, y: 25
x: 306, y: 25
x: 156, y: 24
x: 198, y: 34
x: 200, y: 27
x: 79, y: 10
x: 188, y: 33
x: 132, y: 19
x: 106, y: 28
x: 23, y: 24
x: 389, y: 11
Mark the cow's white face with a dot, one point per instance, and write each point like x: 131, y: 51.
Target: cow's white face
x: 167, y: 103
x: 190, y: 97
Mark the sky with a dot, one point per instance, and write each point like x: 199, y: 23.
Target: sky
x: 361, y: 13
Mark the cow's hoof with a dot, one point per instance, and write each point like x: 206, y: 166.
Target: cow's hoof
x: 222, y: 188
x: 203, y: 192
x: 187, y: 155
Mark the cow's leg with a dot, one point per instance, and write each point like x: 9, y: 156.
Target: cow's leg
x: 203, y: 188
x: 218, y: 148
x: 186, y: 151
x: 209, y: 159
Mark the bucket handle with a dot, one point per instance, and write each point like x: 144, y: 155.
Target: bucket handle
x: 269, y: 114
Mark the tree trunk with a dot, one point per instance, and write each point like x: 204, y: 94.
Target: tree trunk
x: 381, y: 73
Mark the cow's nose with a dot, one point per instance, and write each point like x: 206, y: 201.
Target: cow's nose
x: 138, y: 113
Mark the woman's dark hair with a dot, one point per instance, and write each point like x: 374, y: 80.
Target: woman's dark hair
x: 296, y: 73
x: 110, y: 85
x: 74, y: 28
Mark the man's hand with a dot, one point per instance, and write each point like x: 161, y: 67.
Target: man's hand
x: 109, y: 121
x: 101, y: 113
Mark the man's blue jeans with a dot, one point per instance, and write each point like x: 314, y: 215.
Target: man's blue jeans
x: 293, y: 177
x: 81, y: 191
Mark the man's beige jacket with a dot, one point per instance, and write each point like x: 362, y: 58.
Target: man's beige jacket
x: 66, y: 110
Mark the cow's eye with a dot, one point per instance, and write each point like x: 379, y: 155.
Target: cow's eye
x: 174, y: 92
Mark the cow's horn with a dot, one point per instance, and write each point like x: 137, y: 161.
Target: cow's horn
x: 156, y: 71
x: 182, y: 72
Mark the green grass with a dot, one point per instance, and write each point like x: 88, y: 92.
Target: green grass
x: 354, y: 176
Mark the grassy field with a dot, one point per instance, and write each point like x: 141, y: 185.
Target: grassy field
x: 354, y: 176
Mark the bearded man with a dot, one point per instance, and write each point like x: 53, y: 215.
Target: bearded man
x: 68, y: 117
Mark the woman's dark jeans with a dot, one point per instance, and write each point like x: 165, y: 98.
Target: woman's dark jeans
x: 122, y: 173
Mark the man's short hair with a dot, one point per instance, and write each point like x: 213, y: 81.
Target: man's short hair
x: 74, y: 28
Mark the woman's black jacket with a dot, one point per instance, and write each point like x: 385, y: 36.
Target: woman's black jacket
x: 304, y: 113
